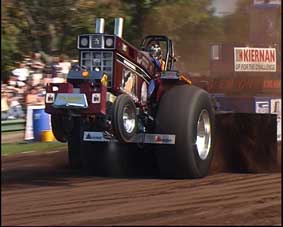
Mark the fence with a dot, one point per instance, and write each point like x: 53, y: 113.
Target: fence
x: 13, y: 125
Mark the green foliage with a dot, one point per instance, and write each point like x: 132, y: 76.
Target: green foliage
x: 10, y: 149
x: 236, y: 25
x: 135, y: 13
x: 52, y: 26
x: 192, y: 27
x: 9, y: 43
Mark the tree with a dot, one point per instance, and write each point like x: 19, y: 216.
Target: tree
x: 49, y: 26
x: 192, y: 27
x: 53, y: 26
x: 135, y: 13
x: 9, y: 51
x: 236, y: 25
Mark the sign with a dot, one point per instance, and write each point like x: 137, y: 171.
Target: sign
x: 262, y: 107
x: 275, y: 108
x: 267, y: 2
x: 50, y: 97
x: 249, y: 59
x: 96, y: 97
x: 71, y: 100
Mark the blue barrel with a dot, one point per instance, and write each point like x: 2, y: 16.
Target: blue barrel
x: 41, y: 122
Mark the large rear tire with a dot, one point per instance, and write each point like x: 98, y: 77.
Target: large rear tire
x: 185, y: 111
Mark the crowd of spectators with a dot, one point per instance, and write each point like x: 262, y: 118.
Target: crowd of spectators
x: 26, y: 83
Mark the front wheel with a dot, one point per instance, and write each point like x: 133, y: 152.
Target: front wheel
x: 58, y: 128
x: 69, y: 130
x: 124, y: 118
x: 186, y: 111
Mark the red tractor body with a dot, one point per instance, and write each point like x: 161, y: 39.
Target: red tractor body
x: 120, y: 93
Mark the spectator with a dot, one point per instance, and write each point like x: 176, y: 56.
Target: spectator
x: 27, y: 61
x: 41, y: 95
x: 37, y: 67
x: 55, y: 67
x: 34, y: 97
x: 13, y: 83
x: 64, y: 66
x: 47, y: 79
x: 25, y: 84
x: 55, y: 71
x: 4, y: 102
x: 22, y: 74
x: 37, y: 63
x: 17, y: 87
x: 21, y: 94
x: 37, y: 79
x: 15, y: 109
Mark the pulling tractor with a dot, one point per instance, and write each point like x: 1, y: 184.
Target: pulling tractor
x: 117, y: 95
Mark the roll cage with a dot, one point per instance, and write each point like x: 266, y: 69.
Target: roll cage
x: 169, y: 57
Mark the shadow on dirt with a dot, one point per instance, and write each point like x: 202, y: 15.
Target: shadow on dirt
x: 51, y: 169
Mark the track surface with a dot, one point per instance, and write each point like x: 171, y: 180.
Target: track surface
x: 39, y: 189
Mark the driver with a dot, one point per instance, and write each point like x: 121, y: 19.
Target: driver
x: 156, y: 54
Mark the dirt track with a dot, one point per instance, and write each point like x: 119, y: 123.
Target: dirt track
x: 39, y: 189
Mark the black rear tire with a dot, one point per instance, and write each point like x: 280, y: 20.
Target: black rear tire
x: 178, y: 113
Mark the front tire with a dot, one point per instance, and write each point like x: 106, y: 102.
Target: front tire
x: 69, y: 130
x: 185, y: 111
x: 58, y: 128
x: 124, y: 118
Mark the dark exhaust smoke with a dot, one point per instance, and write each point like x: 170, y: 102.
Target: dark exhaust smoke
x: 246, y: 143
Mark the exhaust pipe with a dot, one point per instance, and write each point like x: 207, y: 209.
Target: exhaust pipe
x: 99, y: 25
x: 118, y: 28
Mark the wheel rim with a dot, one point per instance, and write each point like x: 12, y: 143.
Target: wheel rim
x: 129, y: 119
x: 203, y: 141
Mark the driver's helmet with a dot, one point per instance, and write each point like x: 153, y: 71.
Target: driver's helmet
x: 155, y: 51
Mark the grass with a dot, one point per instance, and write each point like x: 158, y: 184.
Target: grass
x: 15, y: 148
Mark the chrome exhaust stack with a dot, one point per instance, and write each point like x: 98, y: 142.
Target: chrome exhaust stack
x: 99, y: 25
x: 118, y: 27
